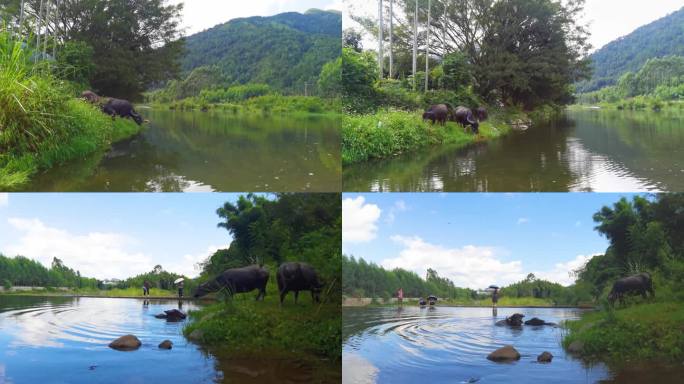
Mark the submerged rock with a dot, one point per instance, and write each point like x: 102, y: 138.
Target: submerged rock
x: 507, y: 353
x: 576, y: 347
x: 126, y: 343
x: 545, y: 357
x: 166, y: 344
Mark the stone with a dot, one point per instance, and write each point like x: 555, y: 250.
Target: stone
x: 126, y: 343
x: 576, y: 347
x: 166, y: 344
x: 507, y: 353
x: 535, y: 321
x: 545, y: 357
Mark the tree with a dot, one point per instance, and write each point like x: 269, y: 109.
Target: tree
x: 76, y: 62
x: 330, y: 79
x: 359, y: 75
x: 458, y: 72
x: 352, y: 39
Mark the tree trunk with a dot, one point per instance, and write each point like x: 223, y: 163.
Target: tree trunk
x: 38, y: 26
x: 381, y: 58
x: 391, y: 33
x: 415, y: 45
x: 427, y: 49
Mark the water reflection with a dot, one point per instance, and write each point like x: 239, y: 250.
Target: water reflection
x: 601, y: 151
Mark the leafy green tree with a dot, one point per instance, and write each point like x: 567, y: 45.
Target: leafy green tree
x: 359, y: 75
x: 458, y: 72
x: 76, y: 62
x: 330, y: 80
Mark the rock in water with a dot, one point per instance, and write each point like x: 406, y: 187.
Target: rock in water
x: 166, y: 344
x: 576, y: 347
x: 535, y: 321
x: 126, y: 343
x: 545, y: 357
x: 507, y: 353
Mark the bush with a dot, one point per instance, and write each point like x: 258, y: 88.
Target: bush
x: 7, y: 284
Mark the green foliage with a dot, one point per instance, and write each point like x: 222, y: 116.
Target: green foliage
x: 388, y: 133
x: 158, y: 278
x: 664, y: 37
x: 234, y: 94
x: 7, y: 284
x: 285, y: 51
x: 22, y: 271
x: 75, y: 62
x: 458, y: 72
x: 330, y: 80
x: 359, y: 74
x: 42, y: 125
x: 291, y: 227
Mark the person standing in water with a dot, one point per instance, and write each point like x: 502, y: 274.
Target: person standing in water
x: 495, y: 297
x: 180, y: 289
x: 146, y: 288
x: 400, y: 295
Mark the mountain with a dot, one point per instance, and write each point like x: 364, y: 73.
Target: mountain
x: 284, y: 51
x: 663, y: 37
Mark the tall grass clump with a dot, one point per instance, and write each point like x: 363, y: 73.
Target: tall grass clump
x: 41, y: 123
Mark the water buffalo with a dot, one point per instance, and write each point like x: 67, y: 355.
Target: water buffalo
x: 637, y: 284
x: 438, y: 113
x: 123, y: 108
x: 514, y: 320
x: 172, y: 315
x: 90, y: 97
x: 298, y: 277
x: 237, y: 280
x: 481, y: 114
x: 465, y: 117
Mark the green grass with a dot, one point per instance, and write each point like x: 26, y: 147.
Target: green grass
x: 250, y: 327
x: 41, y: 123
x: 115, y: 292
x: 266, y: 104
x: 652, y: 331
x: 389, y: 133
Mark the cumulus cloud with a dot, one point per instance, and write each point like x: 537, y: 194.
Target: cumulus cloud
x: 562, y: 272
x: 94, y: 254
x: 4, y: 199
x: 189, y: 264
x: 469, y: 266
x: 399, y: 206
x: 359, y: 220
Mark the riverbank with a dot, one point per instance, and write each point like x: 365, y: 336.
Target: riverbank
x: 128, y: 293
x: 390, y: 133
x: 643, y: 332
x: 266, y: 104
x: 639, y: 103
x: 504, y: 302
x: 249, y: 327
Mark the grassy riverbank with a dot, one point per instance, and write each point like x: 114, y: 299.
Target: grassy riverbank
x: 510, y: 302
x: 41, y: 123
x: 640, y: 103
x: 653, y: 331
x: 93, y: 292
x: 250, y: 326
x: 391, y: 132
x: 265, y: 104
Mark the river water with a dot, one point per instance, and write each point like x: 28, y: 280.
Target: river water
x: 450, y: 345
x: 585, y: 150
x: 210, y: 151
x: 65, y: 340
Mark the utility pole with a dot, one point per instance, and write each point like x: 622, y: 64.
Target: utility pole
x: 381, y: 55
x: 391, y: 35
x: 427, y: 49
x: 415, y: 44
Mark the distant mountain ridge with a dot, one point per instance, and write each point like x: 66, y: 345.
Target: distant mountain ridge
x: 663, y: 37
x: 284, y: 51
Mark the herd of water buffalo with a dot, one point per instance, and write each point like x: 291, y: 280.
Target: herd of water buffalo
x: 113, y: 107
x: 291, y: 277
x: 441, y: 113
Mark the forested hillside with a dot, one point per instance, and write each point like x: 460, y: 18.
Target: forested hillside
x: 664, y: 37
x: 284, y: 51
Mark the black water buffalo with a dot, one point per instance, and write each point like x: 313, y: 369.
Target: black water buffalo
x: 637, y: 284
x: 123, y: 108
x: 237, y: 280
x: 438, y: 113
x: 172, y: 315
x: 297, y: 277
x: 90, y: 97
x: 465, y: 117
x: 481, y: 114
x: 514, y: 320
x: 535, y: 321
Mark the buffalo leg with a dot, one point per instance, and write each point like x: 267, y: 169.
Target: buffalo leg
x: 296, y: 296
x: 283, y: 293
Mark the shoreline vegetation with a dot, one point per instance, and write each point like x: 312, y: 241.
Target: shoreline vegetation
x: 504, y: 302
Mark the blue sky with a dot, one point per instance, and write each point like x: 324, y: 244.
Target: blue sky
x: 114, y: 235
x: 476, y: 239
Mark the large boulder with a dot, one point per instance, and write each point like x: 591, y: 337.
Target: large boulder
x: 576, y: 347
x: 126, y: 343
x: 507, y: 353
x: 166, y: 344
x: 545, y: 357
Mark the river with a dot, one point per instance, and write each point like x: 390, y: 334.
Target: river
x: 65, y: 340
x: 181, y: 151
x: 583, y: 151
x: 450, y: 345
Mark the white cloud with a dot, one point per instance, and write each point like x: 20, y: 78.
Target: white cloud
x: 469, y: 266
x: 523, y: 220
x: 399, y: 206
x: 188, y: 266
x: 94, y: 254
x: 359, y: 220
x: 561, y: 273
x: 4, y: 199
